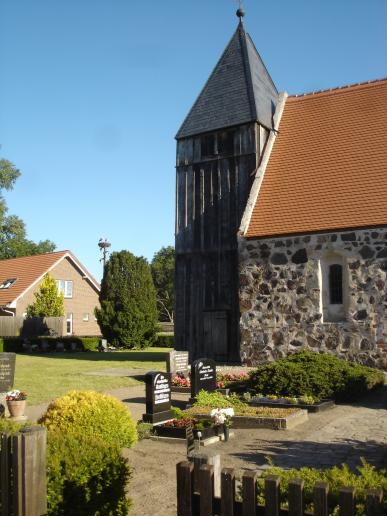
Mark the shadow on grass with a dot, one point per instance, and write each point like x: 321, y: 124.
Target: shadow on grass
x: 114, y: 356
x: 297, y: 454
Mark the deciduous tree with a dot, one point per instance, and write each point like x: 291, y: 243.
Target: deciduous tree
x: 48, y: 301
x: 163, y: 274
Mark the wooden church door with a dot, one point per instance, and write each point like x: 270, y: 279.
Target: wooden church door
x: 215, y: 334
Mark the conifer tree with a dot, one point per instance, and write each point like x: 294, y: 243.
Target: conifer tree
x: 128, y: 314
x: 48, y: 301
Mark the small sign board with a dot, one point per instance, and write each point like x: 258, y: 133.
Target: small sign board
x: 7, y: 371
x: 190, y: 439
x: 203, y: 376
x: 178, y: 362
x: 158, y: 397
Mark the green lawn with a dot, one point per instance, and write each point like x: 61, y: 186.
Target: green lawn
x: 45, y: 377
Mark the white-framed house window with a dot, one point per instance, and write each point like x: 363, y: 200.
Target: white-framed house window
x: 86, y: 317
x: 65, y: 286
x: 334, y: 287
x: 69, y: 324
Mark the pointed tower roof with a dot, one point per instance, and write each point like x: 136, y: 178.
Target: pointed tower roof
x: 238, y: 91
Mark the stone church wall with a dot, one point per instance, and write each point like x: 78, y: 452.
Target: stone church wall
x: 282, y: 296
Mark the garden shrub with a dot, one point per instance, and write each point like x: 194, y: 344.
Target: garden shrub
x: 144, y: 430
x: 93, y: 414
x: 217, y: 400
x: 164, y: 341
x: 86, y: 476
x: 367, y: 477
x: 10, y: 344
x: 314, y: 374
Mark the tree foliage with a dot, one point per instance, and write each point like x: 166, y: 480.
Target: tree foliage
x: 128, y: 314
x: 48, y: 301
x: 163, y: 274
x: 13, y: 236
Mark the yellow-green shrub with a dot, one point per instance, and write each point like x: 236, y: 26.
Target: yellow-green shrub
x: 93, y: 414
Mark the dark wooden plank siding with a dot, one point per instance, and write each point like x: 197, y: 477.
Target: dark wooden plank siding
x: 212, y: 192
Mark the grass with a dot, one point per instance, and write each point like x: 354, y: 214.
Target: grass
x: 45, y: 377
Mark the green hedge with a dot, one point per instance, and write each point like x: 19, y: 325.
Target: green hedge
x: 14, y: 344
x: 10, y: 344
x: 314, y: 374
x: 86, y: 476
x: 367, y: 477
x: 164, y: 341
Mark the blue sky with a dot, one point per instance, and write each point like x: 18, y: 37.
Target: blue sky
x: 92, y: 93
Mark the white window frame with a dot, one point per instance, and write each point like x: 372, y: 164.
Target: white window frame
x: 65, y: 286
x: 86, y: 316
x: 69, y: 324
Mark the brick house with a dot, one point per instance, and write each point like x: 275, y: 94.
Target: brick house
x: 20, y: 278
x: 281, y: 217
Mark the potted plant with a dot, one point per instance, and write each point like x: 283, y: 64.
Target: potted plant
x: 222, y: 417
x: 16, y: 402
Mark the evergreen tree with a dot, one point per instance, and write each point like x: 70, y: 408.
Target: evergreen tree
x: 128, y: 314
x: 163, y: 274
x: 48, y: 301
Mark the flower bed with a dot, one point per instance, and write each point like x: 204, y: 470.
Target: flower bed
x: 247, y: 416
x: 307, y: 403
x: 233, y: 381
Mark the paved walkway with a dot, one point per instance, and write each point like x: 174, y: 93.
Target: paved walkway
x: 343, y: 434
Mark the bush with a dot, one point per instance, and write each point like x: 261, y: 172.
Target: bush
x: 86, y: 476
x: 10, y: 344
x: 217, y: 400
x: 164, y: 341
x: 93, y: 414
x: 144, y: 430
x: 337, y: 477
x: 314, y: 374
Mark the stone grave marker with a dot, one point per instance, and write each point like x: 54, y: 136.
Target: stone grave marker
x: 7, y: 371
x: 7, y: 375
x: 158, y: 397
x: 203, y: 376
x: 177, y: 362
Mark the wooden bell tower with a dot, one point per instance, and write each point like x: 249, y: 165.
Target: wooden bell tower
x: 219, y: 146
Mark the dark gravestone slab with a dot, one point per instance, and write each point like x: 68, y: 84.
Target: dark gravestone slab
x: 203, y: 376
x: 177, y: 362
x: 7, y: 371
x: 158, y: 397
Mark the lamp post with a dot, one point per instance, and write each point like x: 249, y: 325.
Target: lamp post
x: 104, y: 244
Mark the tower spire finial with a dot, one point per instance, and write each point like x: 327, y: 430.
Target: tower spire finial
x: 240, y: 12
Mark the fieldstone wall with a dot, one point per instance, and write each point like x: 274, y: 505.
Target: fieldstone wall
x: 281, y: 299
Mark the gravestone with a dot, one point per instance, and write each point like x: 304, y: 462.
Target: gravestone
x: 203, y: 376
x: 158, y: 397
x: 7, y: 371
x: 177, y: 362
x: 7, y: 375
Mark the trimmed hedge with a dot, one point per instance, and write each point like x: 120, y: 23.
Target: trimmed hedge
x: 15, y: 344
x: 314, y: 374
x: 11, y: 344
x: 93, y: 414
x: 367, y: 477
x: 86, y: 476
x: 164, y: 341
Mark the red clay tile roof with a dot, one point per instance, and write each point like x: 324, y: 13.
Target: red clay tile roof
x: 328, y: 166
x: 28, y: 270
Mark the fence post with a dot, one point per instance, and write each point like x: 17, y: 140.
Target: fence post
x: 206, y: 485
x: 296, y: 497
x: 5, y: 480
x: 249, y: 493
x: 320, y: 495
x: 34, y: 476
x: 198, y: 460
x: 347, y: 501
x: 272, y: 495
x: 184, y: 471
x: 374, y: 502
x: 227, y: 492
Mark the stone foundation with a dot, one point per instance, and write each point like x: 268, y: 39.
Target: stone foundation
x: 282, y: 297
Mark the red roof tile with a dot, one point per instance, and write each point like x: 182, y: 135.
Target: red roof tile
x: 328, y: 166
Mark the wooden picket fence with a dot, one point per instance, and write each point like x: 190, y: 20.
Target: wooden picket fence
x: 203, y: 502
x: 23, y: 489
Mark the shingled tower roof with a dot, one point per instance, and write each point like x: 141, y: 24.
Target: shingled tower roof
x: 238, y: 91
